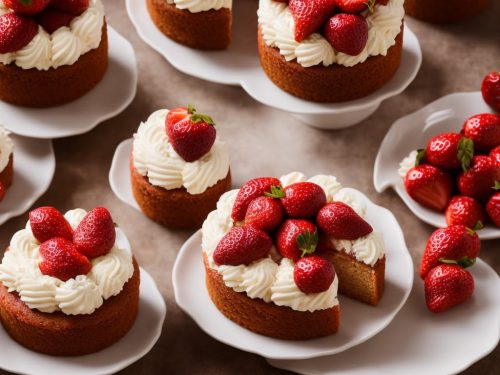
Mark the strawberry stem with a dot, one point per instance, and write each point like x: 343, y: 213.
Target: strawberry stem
x: 307, y: 242
x: 420, y: 157
x: 465, y: 152
x: 497, y: 185
x: 462, y: 262
x: 191, y: 109
x: 277, y: 192
x: 370, y: 4
x: 199, y: 117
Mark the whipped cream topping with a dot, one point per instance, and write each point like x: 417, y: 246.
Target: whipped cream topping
x: 154, y: 157
x: 196, y: 6
x: 407, y: 163
x: 64, y: 46
x: 19, y: 272
x: 368, y: 249
x: 278, y: 30
x: 6, y: 147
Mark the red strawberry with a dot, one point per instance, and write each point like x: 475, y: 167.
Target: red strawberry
x: 465, y: 211
x: 52, y: 19
x: 490, y: 89
x: 75, y: 7
x: 296, y: 238
x: 27, y: 7
x: 450, y: 151
x: 313, y: 274
x: 191, y: 137
x: 347, y: 33
x: 447, y: 285
x: 493, y: 208
x: 357, y: 6
x: 264, y: 213
x: 62, y: 260
x: 484, y: 130
x: 16, y: 32
x: 478, y: 182
x: 47, y: 223
x: 177, y: 114
x: 429, y: 186
x: 495, y: 155
x: 302, y: 199
x: 456, y: 242
x: 249, y: 191
x: 2, y: 191
x: 96, y: 234
x: 340, y: 221
x: 242, y: 245
x: 309, y: 15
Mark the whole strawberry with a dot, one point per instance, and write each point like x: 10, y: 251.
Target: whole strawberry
x: 95, y: 235
x: 296, y: 238
x: 27, y: 7
x: 264, y: 213
x: 75, y: 7
x: 309, y: 15
x: 479, y: 180
x: 484, y: 130
x: 456, y: 242
x: 493, y: 209
x: 249, y: 191
x: 61, y: 260
x: 52, y: 19
x: 313, y: 274
x: 16, y: 31
x: 242, y: 245
x: 301, y: 199
x: 429, y: 186
x: 340, y: 221
x: 47, y: 223
x: 358, y: 6
x: 495, y: 155
x: 347, y: 33
x: 450, y: 151
x: 447, y: 285
x: 490, y: 89
x: 193, y: 136
x: 465, y: 211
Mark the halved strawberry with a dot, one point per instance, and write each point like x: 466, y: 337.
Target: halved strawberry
x: 465, y: 211
x: 309, y: 15
x: 313, y: 274
x: 264, y: 213
x: 296, y: 238
x: 16, y: 31
x: 60, y: 259
x: 48, y: 222
x: 52, y: 19
x: 249, y: 191
x: 95, y: 235
x: 347, y: 33
x: 340, y: 221
x: 27, y: 7
x: 75, y: 7
x: 429, y: 186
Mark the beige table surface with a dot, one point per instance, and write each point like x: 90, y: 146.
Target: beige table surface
x: 262, y: 141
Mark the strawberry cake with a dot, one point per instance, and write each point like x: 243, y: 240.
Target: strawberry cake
x: 277, y: 252
x: 200, y: 24
x: 66, y: 287
x: 445, y: 11
x: 6, y: 161
x: 179, y: 169
x: 330, y: 50
x: 51, y: 52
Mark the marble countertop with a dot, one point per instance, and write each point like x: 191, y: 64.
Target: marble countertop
x: 262, y: 141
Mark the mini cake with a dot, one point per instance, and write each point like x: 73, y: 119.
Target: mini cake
x: 330, y: 51
x: 6, y: 161
x: 276, y: 252
x: 51, y: 53
x: 201, y: 24
x: 178, y: 168
x: 444, y: 11
x: 66, y: 288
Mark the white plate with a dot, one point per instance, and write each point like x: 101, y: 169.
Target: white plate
x: 111, y: 96
x: 358, y: 322
x: 34, y: 166
x: 412, y: 132
x: 420, y: 342
x: 119, y: 174
x: 239, y: 65
x: 135, y: 345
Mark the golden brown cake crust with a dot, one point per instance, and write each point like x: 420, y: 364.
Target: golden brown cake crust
x: 267, y: 318
x: 444, y: 11
x: 40, y: 88
x: 58, y: 334
x: 176, y: 208
x: 7, y: 174
x: 335, y: 83
x: 209, y: 30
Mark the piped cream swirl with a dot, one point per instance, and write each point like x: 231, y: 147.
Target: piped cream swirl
x: 196, y: 6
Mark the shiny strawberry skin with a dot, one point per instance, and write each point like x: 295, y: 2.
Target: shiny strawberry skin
x: 495, y: 155
x: 484, y: 130
x: 347, y: 33
x: 60, y: 259
x: 175, y: 115
x: 447, y: 285
x: 303, y: 199
x: 52, y: 20
x: 309, y: 15
x: 264, y: 213
x: 493, y: 209
x: 26, y: 7
x: 249, y: 191
x: 340, y: 221
x: 313, y: 274
x: 479, y: 180
x: 429, y: 186
x: 454, y: 243
x: 466, y: 211
x: 442, y: 151
x: 75, y: 7
x: 48, y: 222
x: 287, y: 237
x: 490, y: 90
x: 95, y: 235
x: 352, y: 6
x: 16, y: 31
x: 242, y: 245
